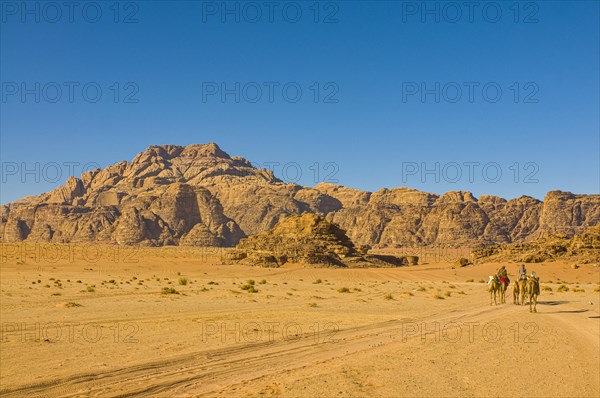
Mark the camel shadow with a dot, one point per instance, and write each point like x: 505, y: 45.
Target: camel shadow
x: 552, y: 302
x: 569, y: 312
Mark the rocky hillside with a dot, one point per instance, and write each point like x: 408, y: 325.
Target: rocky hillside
x: 584, y: 246
x: 199, y: 195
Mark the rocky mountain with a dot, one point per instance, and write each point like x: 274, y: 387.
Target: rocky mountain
x: 199, y: 195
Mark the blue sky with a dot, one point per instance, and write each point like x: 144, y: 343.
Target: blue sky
x: 379, y: 83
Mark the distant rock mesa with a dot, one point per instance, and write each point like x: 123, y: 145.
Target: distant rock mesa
x: 199, y: 195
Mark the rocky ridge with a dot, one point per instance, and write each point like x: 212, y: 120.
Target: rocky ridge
x: 199, y: 195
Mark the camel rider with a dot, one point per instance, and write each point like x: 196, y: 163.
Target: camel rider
x: 503, y: 275
x: 522, y: 272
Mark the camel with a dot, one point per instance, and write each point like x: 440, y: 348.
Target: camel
x: 493, y: 288
x: 519, y: 292
x: 533, y: 290
x: 502, y: 291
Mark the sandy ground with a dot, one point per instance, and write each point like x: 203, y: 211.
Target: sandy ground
x: 92, y: 321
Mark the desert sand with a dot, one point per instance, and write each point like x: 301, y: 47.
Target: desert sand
x: 97, y: 321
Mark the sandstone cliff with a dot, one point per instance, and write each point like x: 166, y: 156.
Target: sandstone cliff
x: 199, y: 195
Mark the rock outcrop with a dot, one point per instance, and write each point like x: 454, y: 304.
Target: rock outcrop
x: 199, y: 195
x: 306, y: 239
x: 585, y: 247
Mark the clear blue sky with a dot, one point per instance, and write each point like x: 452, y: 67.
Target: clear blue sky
x: 369, y: 59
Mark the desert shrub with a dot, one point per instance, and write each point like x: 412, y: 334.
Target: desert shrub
x: 169, y: 290
x: 249, y: 287
x: 448, y: 294
x: 388, y: 296
x: 438, y: 297
x: 212, y: 283
x: 421, y: 289
x: 470, y: 280
x: 263, y: 282
x: 90, y: 289
x: 546, y: 289
x: 562, y: 288
x: 317, y: 281
x: 579, y: 290
x: 344, y: 290
x: 183, y: 281
x: 312, y: 305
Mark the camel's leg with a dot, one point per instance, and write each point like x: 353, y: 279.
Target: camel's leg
x: 534, y: 303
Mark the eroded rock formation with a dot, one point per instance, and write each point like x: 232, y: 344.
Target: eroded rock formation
x: 199, y: 195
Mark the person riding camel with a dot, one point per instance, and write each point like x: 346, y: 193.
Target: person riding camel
x: 522, y: 272
x: 533, y: 275
x: 503, y: 275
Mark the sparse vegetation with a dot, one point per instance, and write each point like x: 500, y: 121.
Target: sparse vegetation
x: 183, y: 281
x: 169, y: 290
x: 438, y: 297
x: 546, y: 289
x: 316, y: 282
x: 562, y: 288
x: 343, y: 290
x: 470, y: 280
x: 388, y: 297
x: 579, y: 290
x: 249, y: 286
